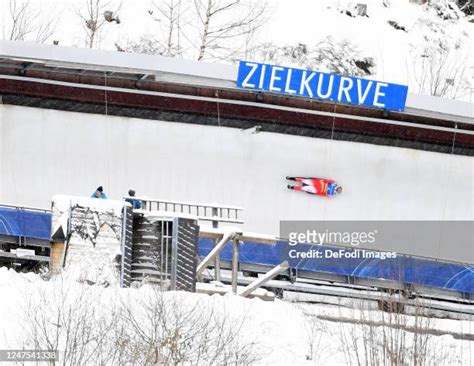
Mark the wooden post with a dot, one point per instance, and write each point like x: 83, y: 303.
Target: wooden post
x: 264, y: 279
x: 217, y: 249
x: 57, y: 255
x: 235, y: 262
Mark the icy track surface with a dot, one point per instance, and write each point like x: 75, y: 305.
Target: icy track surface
x: 110, y: 325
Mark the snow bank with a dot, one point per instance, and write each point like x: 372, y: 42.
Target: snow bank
x: 279, y: 333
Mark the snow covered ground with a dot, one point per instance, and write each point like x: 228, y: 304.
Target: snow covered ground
x: 90, y: 323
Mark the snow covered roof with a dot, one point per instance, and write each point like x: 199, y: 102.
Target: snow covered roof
x: 100, y: 60
x: 428, y: 105
x: 183, y: 71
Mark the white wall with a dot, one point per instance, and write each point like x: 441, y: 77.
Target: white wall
x: 47, y: 152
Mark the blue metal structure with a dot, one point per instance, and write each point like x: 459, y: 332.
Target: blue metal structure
x: 405, y: 269
x: 25, y: 225
x: 27, y: 229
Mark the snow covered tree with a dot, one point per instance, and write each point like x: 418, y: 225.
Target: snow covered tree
x: 466, y: 6
x: 221, y: 22
x: 446, y: 10
x: 419, y: 1
x: 170, y: 15
x: 202, y: 29
x: 146, y: 44
x: 447, y: 6
x: 340, y: 57
x: 291, y: 55
x: 439, y: 62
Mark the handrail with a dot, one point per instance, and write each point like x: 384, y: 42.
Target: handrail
x: 213, y: 212
x: 25, y: 208
x: 212, y: 205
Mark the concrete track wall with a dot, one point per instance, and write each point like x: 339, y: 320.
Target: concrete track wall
x: 47, y: 152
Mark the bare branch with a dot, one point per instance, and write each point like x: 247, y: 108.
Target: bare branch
x: 171, y: 19
x: 225, y: 21
x: 26, y: 20
x: 440, y: 69
x: 204, y: 29
x: 94, y: 15
x: 19, y: 14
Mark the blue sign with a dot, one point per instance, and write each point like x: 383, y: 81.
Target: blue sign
x: 323, y: 86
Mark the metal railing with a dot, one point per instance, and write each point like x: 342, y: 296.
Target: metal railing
x: 25, y: 208
x: 212, y: 212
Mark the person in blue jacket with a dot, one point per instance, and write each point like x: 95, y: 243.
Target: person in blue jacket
x: 136, y: 204
x: 99, y: 193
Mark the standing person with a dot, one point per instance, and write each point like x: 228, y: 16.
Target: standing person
x: 318, y: 186
x: 136, y: 204
x: 99, y: 193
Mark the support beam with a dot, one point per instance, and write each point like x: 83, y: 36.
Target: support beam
x: 209, y: 233
x: 39, y: 258
x: 214, y: 252
x: 235, y: 262
x: 142, y: 77
x: 217, y: 260
x: 264, y: 279
x: 217, y: 265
